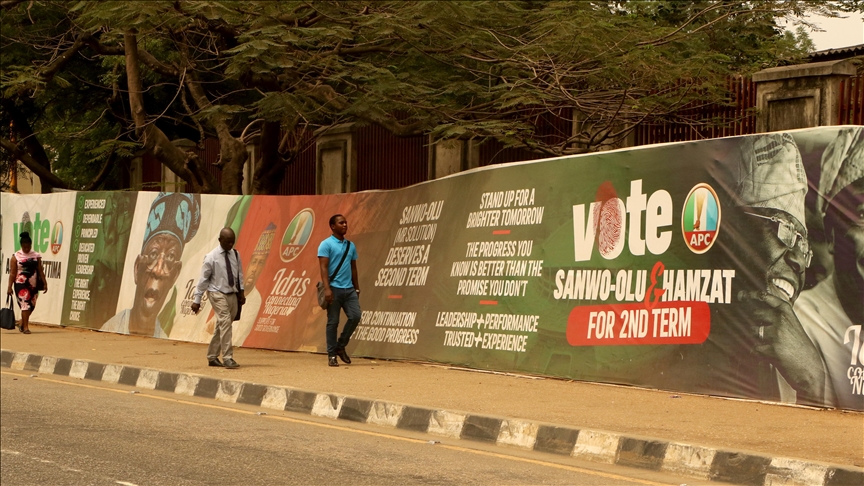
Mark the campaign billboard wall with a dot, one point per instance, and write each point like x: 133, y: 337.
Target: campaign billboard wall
x: 730, y: 267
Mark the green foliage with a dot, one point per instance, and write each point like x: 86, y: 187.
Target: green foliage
x: 451, y: 69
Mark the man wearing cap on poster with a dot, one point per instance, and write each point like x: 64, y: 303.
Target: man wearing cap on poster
x: 222, y: 278
x: 253, y: 297
x: 172, y: 222
x: 833, y: 319
x: 771, y: 255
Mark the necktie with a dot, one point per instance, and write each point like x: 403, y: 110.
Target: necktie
x: 228, y: 266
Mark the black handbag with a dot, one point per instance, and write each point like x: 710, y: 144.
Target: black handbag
x: 322, y: 301
x: 237, y: 286
x: 7, y: 315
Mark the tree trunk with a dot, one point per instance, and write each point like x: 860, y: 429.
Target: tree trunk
x: 232, y: 152
x: 270, y: 170
x: 32, y: 145
x: 155, y: 141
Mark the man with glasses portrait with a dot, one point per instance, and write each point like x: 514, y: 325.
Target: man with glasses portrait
x: 757, y: 347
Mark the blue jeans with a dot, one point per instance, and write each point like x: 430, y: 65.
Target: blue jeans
x: 342, y: 299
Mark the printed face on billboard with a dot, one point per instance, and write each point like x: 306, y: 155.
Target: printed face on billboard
x: 845, y: 223
x: 259, y: 257
x: 779, y: 251
x: 156, y: 270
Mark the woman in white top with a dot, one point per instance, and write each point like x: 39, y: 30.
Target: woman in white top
x: 28, y: 277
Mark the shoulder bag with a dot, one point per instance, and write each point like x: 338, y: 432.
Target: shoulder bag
x: 237, y: 285
x: 321, y: 300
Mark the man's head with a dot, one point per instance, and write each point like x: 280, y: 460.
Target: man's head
x: 259, y: 257
x: 776, y: 252
x: 770, y: 216
x: 842, y: 189
x: 173, y: 221
x: 227, y: 238
x: 338, y: 225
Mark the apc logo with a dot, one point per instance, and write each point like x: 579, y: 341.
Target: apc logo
x: 57, y: 237
x: 297, y: 235
x: 700, y: 221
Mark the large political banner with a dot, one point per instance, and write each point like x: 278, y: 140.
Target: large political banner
x: 730, y: 267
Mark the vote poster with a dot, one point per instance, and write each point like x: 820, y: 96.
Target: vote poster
x: 731, y: 267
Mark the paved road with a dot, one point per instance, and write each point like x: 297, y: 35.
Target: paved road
x: 64, y: 431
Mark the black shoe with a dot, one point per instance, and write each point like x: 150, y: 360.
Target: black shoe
x: 331, y: 361
x: 231, y: 364
x: 343, y: 355
x: 215, y: 362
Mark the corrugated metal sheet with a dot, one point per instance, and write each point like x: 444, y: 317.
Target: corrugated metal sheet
x: 851, y: 100
x: 300, y: 174
x: 208, y: 156
x: 151, y: 173
x: 551, y: 129
x: 385, y: 161
x: 709, y: 121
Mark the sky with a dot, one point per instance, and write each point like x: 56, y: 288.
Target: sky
x: 838, y: 32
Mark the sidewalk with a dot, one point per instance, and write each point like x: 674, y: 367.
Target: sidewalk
x: 772, y: 430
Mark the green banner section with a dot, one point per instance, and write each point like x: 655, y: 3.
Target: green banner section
x: 730, y: 266
x: 100, y: 235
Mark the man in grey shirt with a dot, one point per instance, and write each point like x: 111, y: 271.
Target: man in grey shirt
x: 222, y: 278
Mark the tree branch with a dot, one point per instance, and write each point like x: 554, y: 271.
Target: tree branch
x: 155, y: 141
x: 9, y: 4
x: 47, y: 72
x: 31, y: 163
x: 103, y: 173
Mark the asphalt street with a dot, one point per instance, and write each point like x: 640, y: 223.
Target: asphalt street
x: 64, y: 431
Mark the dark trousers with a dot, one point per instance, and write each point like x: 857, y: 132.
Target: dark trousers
x: 342, y: 299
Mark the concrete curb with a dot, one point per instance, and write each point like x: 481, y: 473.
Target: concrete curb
x: 592, y: 445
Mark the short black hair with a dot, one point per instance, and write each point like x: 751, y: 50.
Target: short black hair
x: 25, y: 237
x: 333, y: 218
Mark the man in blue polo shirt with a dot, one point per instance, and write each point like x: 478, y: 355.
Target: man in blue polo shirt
x: 337, y: 257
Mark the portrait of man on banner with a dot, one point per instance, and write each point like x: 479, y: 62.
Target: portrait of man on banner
x: 832, y: 312
x: 172, y: 222
x: 757, y: 347
x: 257, y: 263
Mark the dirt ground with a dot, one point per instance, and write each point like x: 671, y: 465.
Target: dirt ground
x: 818, y: 435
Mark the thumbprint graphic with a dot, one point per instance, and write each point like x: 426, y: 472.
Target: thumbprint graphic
x: 608, y: 218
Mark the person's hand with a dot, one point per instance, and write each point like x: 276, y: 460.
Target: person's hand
x: 328, y: 296
x: 241, y: 299
x: 45, y: 290
x: 778, y: 336
x: 196, y: 308
x: 9, y: 291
